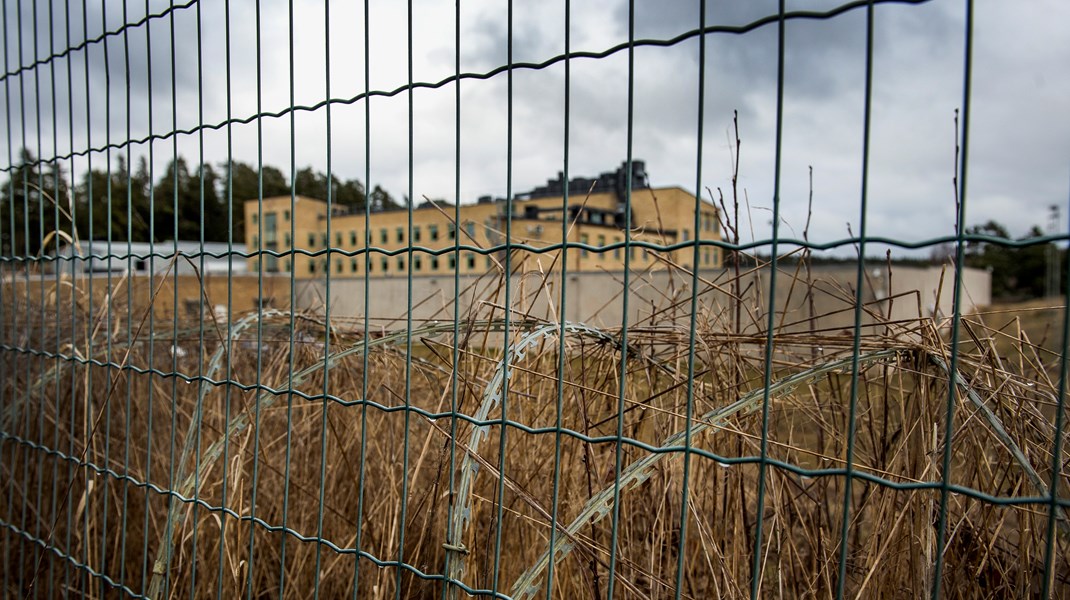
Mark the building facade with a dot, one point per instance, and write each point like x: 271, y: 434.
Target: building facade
x: 662, y: 217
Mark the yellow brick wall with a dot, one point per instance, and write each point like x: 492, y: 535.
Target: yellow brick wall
x: 663, y: 216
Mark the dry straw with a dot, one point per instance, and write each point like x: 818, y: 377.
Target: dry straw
x: 1006, y: 390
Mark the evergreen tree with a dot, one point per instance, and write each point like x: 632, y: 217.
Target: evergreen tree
x: 349, y: 193
x: 382, y: 200
x: 127, y: 205
x: 1017, y: 273
x: 28, y: 206
x: 181, y: 189
x: 125, y: 193
x: 311, y: 184
x: 314, y: 184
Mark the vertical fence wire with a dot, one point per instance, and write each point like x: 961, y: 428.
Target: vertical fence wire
x: 409, y: 252
x: 287, y: 458
x: 770, y: 330
x: 622, y: 390
x: 228, y: 194
x: 956, y: 301
x: 559, y: 406
x: 8, y: 368
x: 507, y: 310
x: 364, y: 387
x: 249, y: 588
x: 1057, y: 451
x: 455, y: 350
x: 327, y: 301
x: 856, y: 343
x: 58, y: 316
x: 146, y: 557
x: 693, y: 309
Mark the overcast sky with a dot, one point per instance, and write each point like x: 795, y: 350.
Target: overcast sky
x: 1019, y: 152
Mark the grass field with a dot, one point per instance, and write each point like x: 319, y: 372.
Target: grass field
x: 225, y: 468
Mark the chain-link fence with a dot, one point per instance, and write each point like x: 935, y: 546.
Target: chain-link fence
x: 224, y: 378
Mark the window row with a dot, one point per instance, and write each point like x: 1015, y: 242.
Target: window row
x: 269, y: 217
x: 387, y: 235
x: 384, y: 264
x: 708, y: 256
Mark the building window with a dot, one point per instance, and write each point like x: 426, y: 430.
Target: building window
x: 338, y: 265
x: 338, y: 238
x: 601, y: 245
x: 371, y: 266
x: 326, y: 240
x: 453, y: 262
x: 353, y: 238
x: 434, y: 263
x: 401, y: 264
x: 400, y: 234
x: 470, y: 227
x: 616, y: 251
x: 311, y: 240
x: 312, y: 266
x: 432, y: 232
x: 285, y: 215
x: 269, y: 228
x: 471, y: 260
x: 382, y: 236
x: 353, y: 265
x: 256, y: 239
x: 286, y: 265
x: 451, y: 231
x: 417, y: 263
x: 687, y: 234
x: 583, y: 240
x: 416, y: 233
x: 384, y: 264
x: 286, y: 238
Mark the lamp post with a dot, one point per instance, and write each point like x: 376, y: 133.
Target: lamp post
x: 1052, y: 278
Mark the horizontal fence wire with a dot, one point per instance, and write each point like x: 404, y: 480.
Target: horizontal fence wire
x: 201, y: 421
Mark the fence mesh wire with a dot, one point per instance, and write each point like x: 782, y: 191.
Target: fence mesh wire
x: 254, y: 430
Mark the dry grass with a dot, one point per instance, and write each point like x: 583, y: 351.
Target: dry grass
x: 80, y: 442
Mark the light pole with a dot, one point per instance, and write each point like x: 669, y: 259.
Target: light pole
x: 1052, y: 278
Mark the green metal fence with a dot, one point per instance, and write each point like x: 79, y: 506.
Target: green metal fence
x: 721, y: 443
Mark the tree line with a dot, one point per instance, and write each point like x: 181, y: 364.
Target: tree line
x: 1018, y: 273
x: 185, y: 202
x: 1033, y: 270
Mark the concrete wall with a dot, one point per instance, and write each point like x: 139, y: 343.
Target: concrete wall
x: 659, y: 297
x: 664, y: 296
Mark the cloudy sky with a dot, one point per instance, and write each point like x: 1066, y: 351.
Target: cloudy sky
x: 1019, y: 145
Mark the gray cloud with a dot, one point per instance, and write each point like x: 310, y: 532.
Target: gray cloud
x: 1020, y: 134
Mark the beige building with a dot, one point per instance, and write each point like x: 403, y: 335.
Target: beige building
x: 662, y: 217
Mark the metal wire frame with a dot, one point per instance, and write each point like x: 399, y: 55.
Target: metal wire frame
x: 21, y: 355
